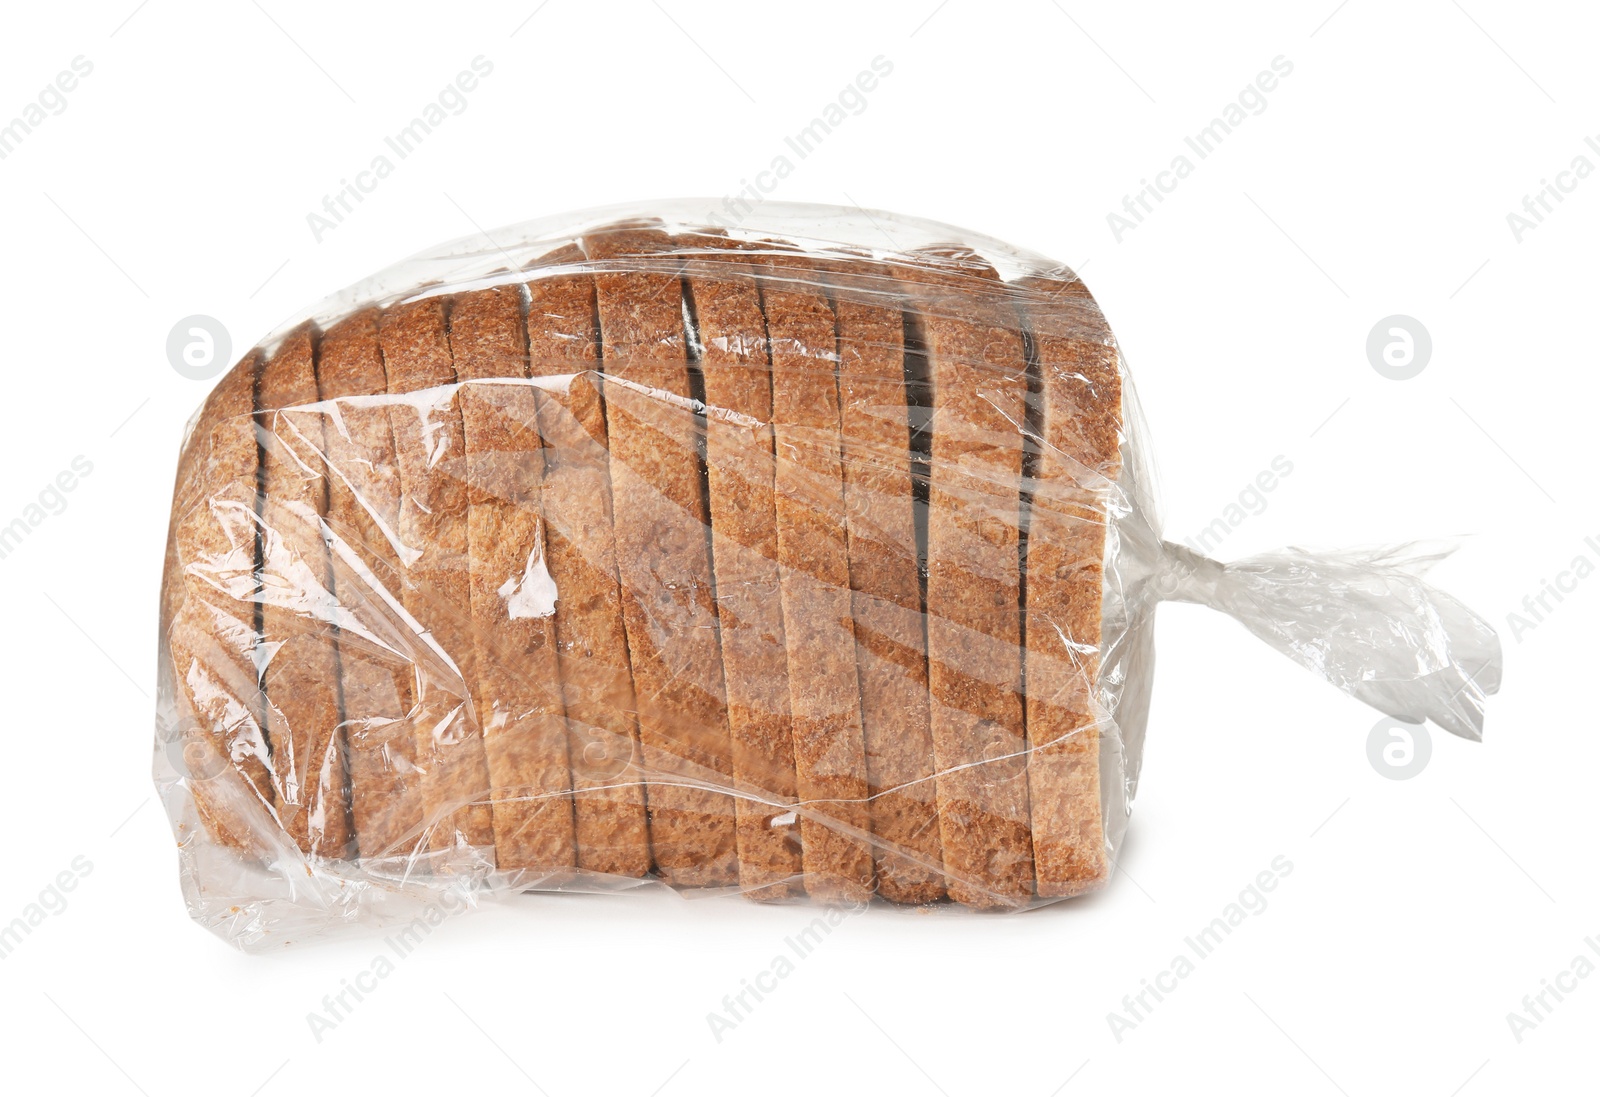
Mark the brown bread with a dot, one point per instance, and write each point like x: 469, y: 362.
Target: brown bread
x: 430, y: 454
x: 886, y: 600
x: 661, y: 524
x: 518, y: 683
x: 740, y: 466
x: 612, y: 829
x: 978, y: 368
x: 301, y: 675
x: 813, y: 554
x: 692, y: 556
x: 211, y: 619
x: 377, y: 644
x: 1079, y: 432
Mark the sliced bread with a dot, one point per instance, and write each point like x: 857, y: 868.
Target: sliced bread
x: 886, y: 585
x: 430, y: 454
x: 663, y: 561
x: 612, y: 829
x: 1079, y: 417
x: 375, y: 668
x: 814, y: 573
x: 518, y: 679
x: 211, y: 619
x: 977, y: 365
x: 732, y: 342
x: 301, y: 673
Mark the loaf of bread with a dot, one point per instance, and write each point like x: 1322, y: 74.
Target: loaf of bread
x: 651, y: 549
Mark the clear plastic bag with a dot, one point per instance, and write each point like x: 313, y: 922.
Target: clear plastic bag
x: 767, y: 559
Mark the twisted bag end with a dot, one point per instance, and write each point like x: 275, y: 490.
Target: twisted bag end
x: 1362, y: 618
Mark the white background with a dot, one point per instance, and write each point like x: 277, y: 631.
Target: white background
x: 1377, y: 181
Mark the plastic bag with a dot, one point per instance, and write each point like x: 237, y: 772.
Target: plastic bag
x: 633, y: 549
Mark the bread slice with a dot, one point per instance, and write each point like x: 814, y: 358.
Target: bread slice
x: 210, y: 619
x: 220, y: 452
x: 608, y: 794
x: 430, y: 454
x: 219, y: 747
x: 661, y: 524
x: 512, y: 593
x: 978, y: 367
x: 301, y: 674
x: 814, y: 571
x: 732, y: 340
x: 885, y: 581
x: 386, y: 797
x: 1079, y: 428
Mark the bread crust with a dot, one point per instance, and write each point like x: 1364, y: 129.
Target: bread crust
x: 220, y: 451
x: 1079, y: 434
x: 430, y: 454
x: 518, y: 684
x: 210, y: 623
x: 744, y: 539
x: 218, y: 744
x: 301, y: 674
x: 814, y: 580
x: 613, y: 834
x: 661, y: 525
